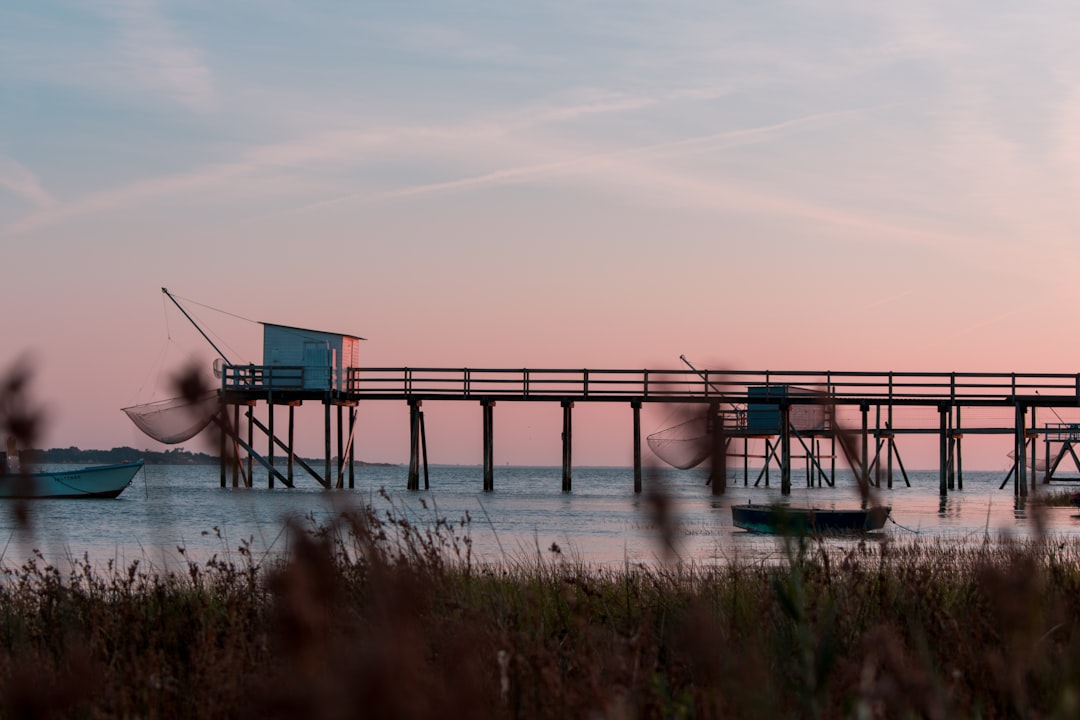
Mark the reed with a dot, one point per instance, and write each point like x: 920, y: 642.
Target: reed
x: 372, y: 615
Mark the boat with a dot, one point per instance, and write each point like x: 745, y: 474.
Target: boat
x: 100, y: 481
x: 785, y: 519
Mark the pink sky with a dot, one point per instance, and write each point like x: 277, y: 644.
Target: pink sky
x: 758, y: 187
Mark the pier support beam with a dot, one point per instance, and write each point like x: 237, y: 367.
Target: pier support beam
x: 413, y: 482
x: 952, y: 451
x: 1034, y: 447
x: 567, y: 443
x: 958, y: 434
x: 223, y: 413
x: 250, y: 443
x: 1020, y: 452
x: 718, y: 449
x: 877, y: 445
x: 340, y: 449
x: 291, y: 450
x: 270, y: 441
x: 636, y: 406
x: 864, y: 454
x: 943, y: 441
x: 236, y: 446
x: 326, y: 444
x: 889, y: 449
x: 352, y: 447
x: 785, y: 448
x: 489, y: 441
x: 423, y: 451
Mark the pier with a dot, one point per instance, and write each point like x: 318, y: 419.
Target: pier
x: 781, y: 408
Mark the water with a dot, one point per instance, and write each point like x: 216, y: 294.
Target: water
x: 602, y: 522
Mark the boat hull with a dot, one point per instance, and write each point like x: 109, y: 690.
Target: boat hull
x: 782, y: 519
x: 103, y: 481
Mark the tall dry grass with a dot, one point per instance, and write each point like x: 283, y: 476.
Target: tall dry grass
x: 369, y: 615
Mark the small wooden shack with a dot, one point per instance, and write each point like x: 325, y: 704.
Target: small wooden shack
x: 324, y: 357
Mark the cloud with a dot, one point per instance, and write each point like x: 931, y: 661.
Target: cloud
x: 24, y: 184
x: 643, y: 171
x: 157, y: 55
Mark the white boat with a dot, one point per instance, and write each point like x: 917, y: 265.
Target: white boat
x: 101, y: 481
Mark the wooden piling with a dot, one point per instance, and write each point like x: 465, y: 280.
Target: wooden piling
x: 1046, y: 471
x: 889, y: 427
x: 413, y: 481
x: 877, y: 445
x: 636, y: 406
x: 326, y: 444
x: 489, y: 440
x: 340, y: 448
x: 958, y: 433
x: 1034, y: 436
x: 785, y: 448
x: 1020, y: 452
x: 236, y: 430
x: 352, y: 446
x: 223, y: 414
x: 769, y: 451
x: 292, y: 450
x: 567, y: 444
x: 423, y: 451
x: 745, y: 461
x: 250, y: 443
x: 864, y: 468
x: 943, y: 441
x: 270, y: 441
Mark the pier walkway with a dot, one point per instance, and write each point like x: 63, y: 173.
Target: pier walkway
x: 775, y: 405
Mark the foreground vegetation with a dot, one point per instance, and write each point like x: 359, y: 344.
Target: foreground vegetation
x: 370, y: 616
x: 374, y: 617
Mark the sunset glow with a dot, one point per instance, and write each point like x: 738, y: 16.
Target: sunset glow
x: 824, y: 186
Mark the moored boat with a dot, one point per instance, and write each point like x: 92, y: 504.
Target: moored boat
x: 101, y: 481
x: 785, y: 519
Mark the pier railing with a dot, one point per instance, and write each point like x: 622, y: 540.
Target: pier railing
x: 734, y: 386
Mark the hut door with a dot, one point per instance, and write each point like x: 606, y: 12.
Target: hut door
x: 316, y: 366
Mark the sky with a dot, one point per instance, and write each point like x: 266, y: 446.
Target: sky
x: 815, y: 185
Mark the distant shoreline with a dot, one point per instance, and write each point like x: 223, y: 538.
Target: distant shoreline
x: 80, y: 456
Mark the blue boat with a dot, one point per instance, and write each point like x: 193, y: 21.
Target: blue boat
x: 787, y: 520
x: 101, y: 481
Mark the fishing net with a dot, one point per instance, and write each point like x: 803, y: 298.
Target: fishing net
x: 176, y: 419
x: 682, y: 446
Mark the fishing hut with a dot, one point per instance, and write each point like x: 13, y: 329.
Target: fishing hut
x: 299, y: 364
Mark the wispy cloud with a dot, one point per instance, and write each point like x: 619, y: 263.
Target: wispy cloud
x: 643, y: 171
x: 24, y: 184
x: 159, y: 57
x: 639, y: 166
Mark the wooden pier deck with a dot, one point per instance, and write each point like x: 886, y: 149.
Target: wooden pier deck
x: 774, y: 395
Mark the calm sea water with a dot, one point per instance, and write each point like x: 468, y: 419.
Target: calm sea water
x: 601, y: 522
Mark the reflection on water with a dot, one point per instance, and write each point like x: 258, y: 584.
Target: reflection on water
x: 601, y: 522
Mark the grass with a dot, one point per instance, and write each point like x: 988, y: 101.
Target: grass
x: 373, y: 616
x: 1057, y: 498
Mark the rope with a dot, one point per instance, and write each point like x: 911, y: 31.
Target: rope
x: 200, y: 324
x: 902, y: 526
x: 223, y: 312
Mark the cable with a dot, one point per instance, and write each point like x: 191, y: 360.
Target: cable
x: 223, y: 312
x: 903, y: 526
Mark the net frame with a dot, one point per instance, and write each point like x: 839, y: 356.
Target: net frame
x: 174, y: 420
